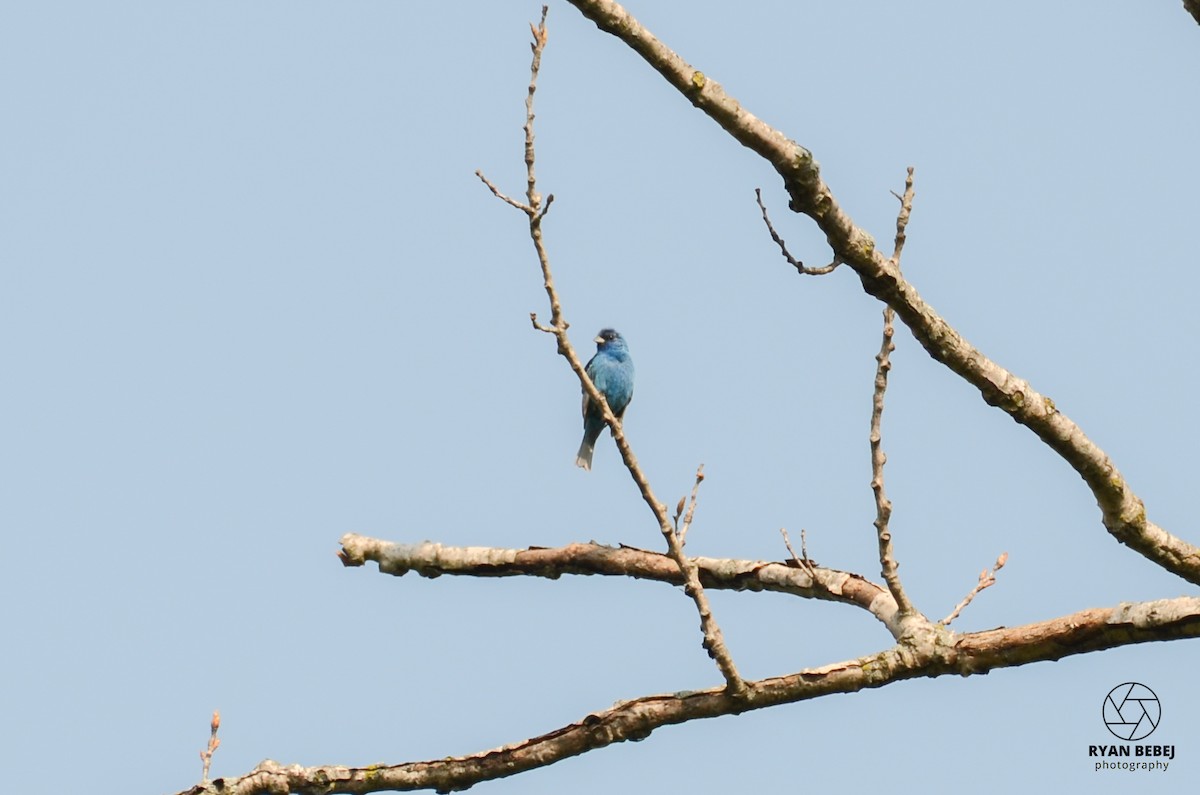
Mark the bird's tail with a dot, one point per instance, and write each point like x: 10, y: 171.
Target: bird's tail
x: 584, y: 457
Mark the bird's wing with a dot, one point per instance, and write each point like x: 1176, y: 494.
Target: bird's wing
x: 621, y: 413
x: 588, y: 368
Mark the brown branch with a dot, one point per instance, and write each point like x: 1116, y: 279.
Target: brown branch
x: 883, y: 506
x: 434, y: 560
x: 883, y: 365
x: 802, y: 562
x: 937, y: 655
x: 540, y: 37
x: 795, y: 263
x: 714, y: 642
x: 691, y: 511
x: 525, y: 208
x: 213, y: 743
x: 1122, y: 511
x: 1193, y: 8
x: 809, y: 566
x: 906, y: 202
x: 532, y: 207
x: 986, y: 580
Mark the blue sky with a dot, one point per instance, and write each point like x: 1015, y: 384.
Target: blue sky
x: 253, y: 297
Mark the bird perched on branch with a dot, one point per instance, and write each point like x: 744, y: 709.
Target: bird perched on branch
x: 611, y: 370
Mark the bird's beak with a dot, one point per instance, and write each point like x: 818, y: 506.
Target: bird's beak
x: 598, y: 340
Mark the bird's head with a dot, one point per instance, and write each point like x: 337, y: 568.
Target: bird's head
x: 608, y: 339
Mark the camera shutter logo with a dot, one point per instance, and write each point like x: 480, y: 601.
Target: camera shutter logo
x: 1131, y: 711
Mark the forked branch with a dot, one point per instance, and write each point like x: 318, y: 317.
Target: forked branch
x: 1122, y: 511
x: 980, y: 652
x: 714, y: 642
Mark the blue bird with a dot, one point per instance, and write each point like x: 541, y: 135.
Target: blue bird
x: 611, y: 370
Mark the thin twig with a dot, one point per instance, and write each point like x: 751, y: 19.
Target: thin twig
x: 802, y: 559
x: 500, y: 195
x: 986, y: 580
x: 533, y: 207
x: 213, y: 743
x: 714, y: 642
x: 902, y: 219
x: 795, y: 263
x: 691, y: 511
x: 540, y: 35
x: 883, y: 506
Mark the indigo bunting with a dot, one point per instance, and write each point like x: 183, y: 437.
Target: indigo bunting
x: 611, y: 370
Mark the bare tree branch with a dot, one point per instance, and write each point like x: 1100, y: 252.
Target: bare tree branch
x: 906, y: 202
x: 809, y: 566
x: 714, y: 642
x: 883, y: 365
x: 1193, y: 8
x: 922, y: 649
x: 434, y: 560
x: 883, y: 506
x: 937, y: 655
x: 986, y: 580
x: 691, y: 511
x: 214, y: 742
x: 525, y: 208
x: 795, y: 263
x: 1122, y: 511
